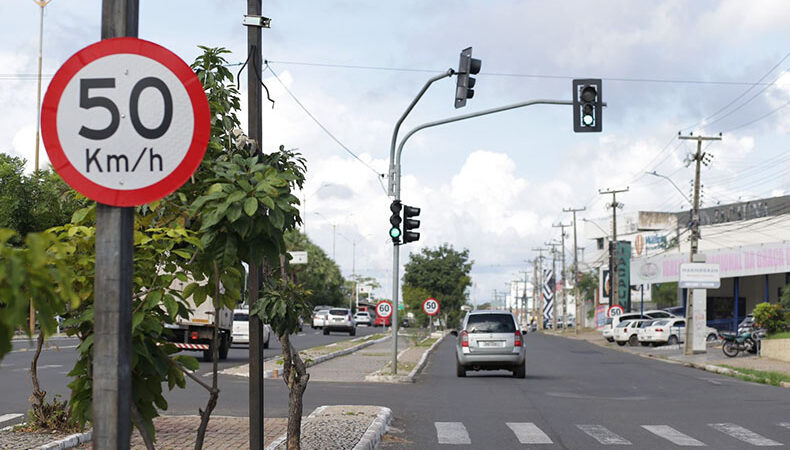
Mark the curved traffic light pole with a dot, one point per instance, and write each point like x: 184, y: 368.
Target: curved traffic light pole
x: 395, y: 174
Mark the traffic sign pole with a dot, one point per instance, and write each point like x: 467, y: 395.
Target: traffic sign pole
x: 112, y: 297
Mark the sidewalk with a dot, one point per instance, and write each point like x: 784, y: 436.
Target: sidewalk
x: 714, y: 357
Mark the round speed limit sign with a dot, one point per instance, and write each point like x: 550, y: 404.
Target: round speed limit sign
x: 615, y: 310
x: 430, y: 306
x: 384, y: 309
x: 125, y: 121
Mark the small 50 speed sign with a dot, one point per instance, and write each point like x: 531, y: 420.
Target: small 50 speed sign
x: 384, y: 309
x: 125, y: 121
x: 430, y: 306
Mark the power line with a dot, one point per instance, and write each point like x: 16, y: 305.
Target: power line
x: 759, y: 118
x: 379, y: 176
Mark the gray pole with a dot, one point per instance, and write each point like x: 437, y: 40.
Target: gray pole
x: 539, y: 280
x: 564, y: 298
x: 698, y: 157
x: 576, y: 270
x: 255, y: 127
x: 112, y: 292
x: 395, y: 264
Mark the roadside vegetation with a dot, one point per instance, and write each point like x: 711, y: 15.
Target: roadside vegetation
x: 759, y: 376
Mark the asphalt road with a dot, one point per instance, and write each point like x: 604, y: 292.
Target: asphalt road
x: 60, y: 354
x: 576, y: 396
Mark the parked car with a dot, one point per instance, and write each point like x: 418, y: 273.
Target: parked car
x: 241, y: 326
x: 606, y: 331
x: 612, y: 322
x: 747, y: 324
x: 626, y: 332
x: 490, y: 340
x: 640, y: 331
x: 340, y: 319
x: 319, y: 318
x: 665, y: 331
x: 362, y: 318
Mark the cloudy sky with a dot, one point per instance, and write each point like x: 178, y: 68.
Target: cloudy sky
x: 496, y: 184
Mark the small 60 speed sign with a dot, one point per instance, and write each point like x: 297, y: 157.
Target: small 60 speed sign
x: 384, y: 309
x: 430, y: 306
x: 125, y: 121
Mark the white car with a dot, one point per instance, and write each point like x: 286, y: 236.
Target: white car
x: 607, y: 330
x: 241, y: 328
x: 626, y: 332
x: 340, y: 319
x: 363, y: 318
x: 319, y: 318
x: 640, y: 331
x: 665, y: 331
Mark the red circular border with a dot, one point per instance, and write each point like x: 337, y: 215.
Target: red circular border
x: 609, y: 310
x: 438, y: 306
x: 133, y: 197
x: 377, y: 308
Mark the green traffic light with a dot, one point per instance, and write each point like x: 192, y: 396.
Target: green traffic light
x: 588, y: 120
x: 394, y: 232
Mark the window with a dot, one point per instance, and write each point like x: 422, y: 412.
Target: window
x: 338, y: 312
x: 241, y: 317
x: 490, y: 323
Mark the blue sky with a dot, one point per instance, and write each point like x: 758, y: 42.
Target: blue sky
x: 495, y: 184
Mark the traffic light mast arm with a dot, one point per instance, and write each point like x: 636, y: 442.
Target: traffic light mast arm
x: 396, y: 170
x: 392, y: 181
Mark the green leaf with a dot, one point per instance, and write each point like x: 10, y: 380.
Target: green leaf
x: 137, y: 318
x: 250, y: 206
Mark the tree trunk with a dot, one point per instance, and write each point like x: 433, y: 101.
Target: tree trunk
x: 295, y: 377
x: 37, y: 399
x: 137, y: 420
x: 214, y: 392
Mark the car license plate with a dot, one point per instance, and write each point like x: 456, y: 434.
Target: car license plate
x: 490, y: 343
x: 338, y: 320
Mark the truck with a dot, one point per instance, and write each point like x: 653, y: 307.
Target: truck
x: 195, y: 333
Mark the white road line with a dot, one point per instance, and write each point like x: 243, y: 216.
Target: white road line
x: 741, y: 433
x: 784, y: 424
x: 452, y: 433
x: 603, y: 435
x: 9, y: 417
x: 529, y: 433
x: 674, y: 436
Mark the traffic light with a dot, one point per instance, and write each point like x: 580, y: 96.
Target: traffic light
x: 465, y: 84
x: 395, y: 207
x: 587, y: 102
x: 410, y: 225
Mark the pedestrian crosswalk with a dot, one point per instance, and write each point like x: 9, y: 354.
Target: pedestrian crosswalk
x: 9, y: 419
x: 456, y: 433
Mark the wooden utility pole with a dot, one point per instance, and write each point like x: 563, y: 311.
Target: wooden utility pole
x: 562, y: 291
x: 698, y: 158
x: 576, y: 296
x: 112, y: 291
x: 613, y: 243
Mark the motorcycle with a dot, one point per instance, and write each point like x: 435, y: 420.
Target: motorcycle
x: 735, y: 343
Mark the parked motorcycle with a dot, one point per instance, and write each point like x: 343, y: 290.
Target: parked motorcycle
x: 735, y: 343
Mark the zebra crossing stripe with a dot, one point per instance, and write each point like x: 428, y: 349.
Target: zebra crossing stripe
x: 784, y: 424
x: 452, y: 433
x: 672, y: 435
x: 741, y: 433
x: 603, y: 435
x: 529, y: 433
x: 9, y: 417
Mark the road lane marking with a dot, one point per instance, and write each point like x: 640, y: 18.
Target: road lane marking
x: 9, y: 417
x: 452, y: 433
x: 784, y: 424
x: 529, y: 433
x: 603, y: 435
x: 741, y: 433
x: 674, y: 436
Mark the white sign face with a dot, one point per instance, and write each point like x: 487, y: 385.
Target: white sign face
x: 298, y: 257
x: 384, y: 309
x: 699, y: 276
x: 430, y: 306
x: 614, y: 310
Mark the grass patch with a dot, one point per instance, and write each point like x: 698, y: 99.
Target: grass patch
x: 760, y: 376
x: 781, y: 335
x: 404, y: 368
x: 427, y: 342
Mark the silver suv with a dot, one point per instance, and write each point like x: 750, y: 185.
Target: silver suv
x: 490, y: 340
x: 340, y: 319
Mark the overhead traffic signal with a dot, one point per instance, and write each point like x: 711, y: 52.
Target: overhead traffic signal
x: 410, y: 225
x: 395, y: 207
x: 465, y: 84
x: 587, y: 105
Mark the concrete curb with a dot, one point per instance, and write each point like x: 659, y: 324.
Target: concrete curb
x: 327, y: 357
x: 372, y: 437
x: 69, y: 441
x: 377, y: 378
x: 284, y: 436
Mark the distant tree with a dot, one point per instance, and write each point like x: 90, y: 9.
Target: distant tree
x: 362, y: 281
x: 443, y: 273
x: 413, y: 296
x: 321, y: 275
x: 665, y: 295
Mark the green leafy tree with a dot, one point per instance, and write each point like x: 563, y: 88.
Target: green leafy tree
x: 413, y: 296
x: 321, y: 276
x: 665, y: 295
x: 443, y: 272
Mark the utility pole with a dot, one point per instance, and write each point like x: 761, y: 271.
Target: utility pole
x: 553, y: 246
x: 576, y: 296
x: 613, y: 244
x: 564, y: 279
x: 539, y: 279
x: 255, y: 130
x: 698, y: 158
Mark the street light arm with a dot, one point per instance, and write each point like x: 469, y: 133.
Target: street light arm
x: 656, y: 174
x: 605, y: 233
x: 413, y: 103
